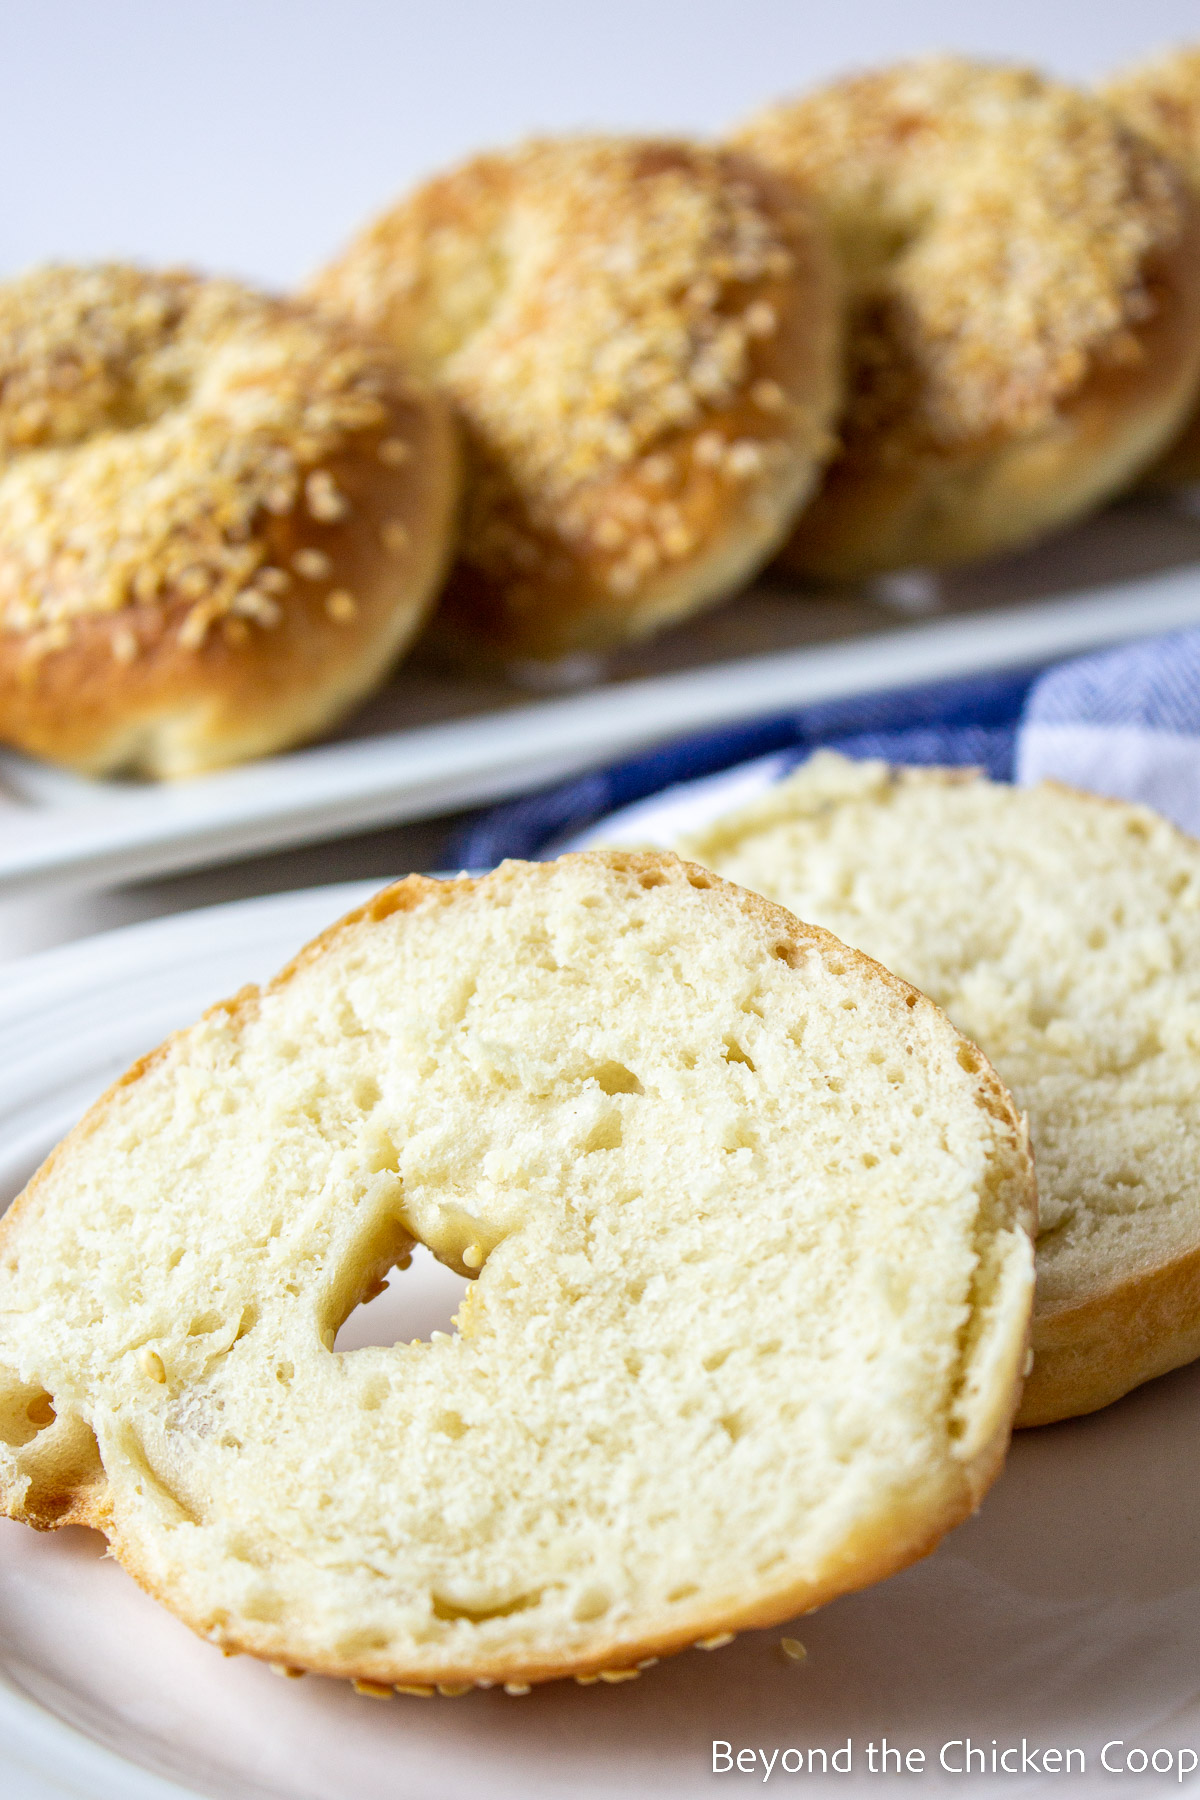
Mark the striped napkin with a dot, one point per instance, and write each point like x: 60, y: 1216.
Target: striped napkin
x: 1125, y: 723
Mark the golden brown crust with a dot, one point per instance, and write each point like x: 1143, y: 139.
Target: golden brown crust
x: 1025, y: 307
x: 221, y: 518
x: 79, y: 1495
x: 1160, y: 99
x: 641, y: 340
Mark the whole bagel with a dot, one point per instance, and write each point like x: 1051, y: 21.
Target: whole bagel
x: 641, y: 341
x: 221, y: 518
x: 1161, y: 100
x: 1024, y: 279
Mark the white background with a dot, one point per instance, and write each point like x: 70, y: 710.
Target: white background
x: 252, y: 136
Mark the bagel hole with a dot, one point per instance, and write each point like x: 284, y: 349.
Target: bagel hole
x: 423, y: 1301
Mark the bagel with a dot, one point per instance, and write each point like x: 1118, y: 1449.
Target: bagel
x: 1161, y: 100
x: 1062, y: 933
x: 749, y: 1226
x: 640, y: 339
x: 1024, y: 280
x: 222, y: 516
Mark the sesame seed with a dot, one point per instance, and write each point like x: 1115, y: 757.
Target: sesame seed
x: 312, y: 565
x: 419, y: 1692
x: 251, y: 604
x: 760, y: 319
x: 153, y: 1365
x: 613, y: 1675
x: 324, y: 499
x: 473, y: 1256
x: 587, y: 1680
x: 793, y: 1649
x: 709, y: 449
x: 517, y: 1687
x: 744, y: 458
x: 288, y: 1671
x: 341, y: 606
x: 453, y: 1691
x: 374, y: 1690
x: 717, y: 1642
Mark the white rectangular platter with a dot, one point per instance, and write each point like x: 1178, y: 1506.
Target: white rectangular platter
x: 435, y: 742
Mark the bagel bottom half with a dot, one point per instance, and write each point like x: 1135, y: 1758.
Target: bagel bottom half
x: 750, y: 1230
x: 1062, y: 933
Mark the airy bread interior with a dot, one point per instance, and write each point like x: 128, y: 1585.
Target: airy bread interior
x: 749, y: 1225
x: 1062, y: 933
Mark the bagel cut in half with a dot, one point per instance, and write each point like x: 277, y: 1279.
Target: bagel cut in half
x: 1024, y: 290
x: 1061, y: 932
x: 748, y: 1224
x: 1161, y: 100
x: 222, y: 518
x: 641, y: 339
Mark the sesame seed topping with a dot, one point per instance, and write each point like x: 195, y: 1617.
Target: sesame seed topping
x: 517, y: 1687
x: 153, y: 1365
x: 149, y: 425
x: 717, y: 1642
x: 649, y: 269
x: 793, y: 1649
x: 473, y: 1256
x: 1000, y: 234
x: 612, y: 1675
x: 453, y: 1691
x: 374, y: 1690
x: 287, y: 1670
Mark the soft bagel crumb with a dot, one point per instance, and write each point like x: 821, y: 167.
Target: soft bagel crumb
x: 1062, y: 933
x: 749, y: 1332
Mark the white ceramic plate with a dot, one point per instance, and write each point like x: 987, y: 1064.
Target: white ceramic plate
x: 431, y: 743
x: 1067, y: 1613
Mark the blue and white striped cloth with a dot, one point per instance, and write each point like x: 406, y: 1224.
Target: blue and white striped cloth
x: 1125, y: 723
